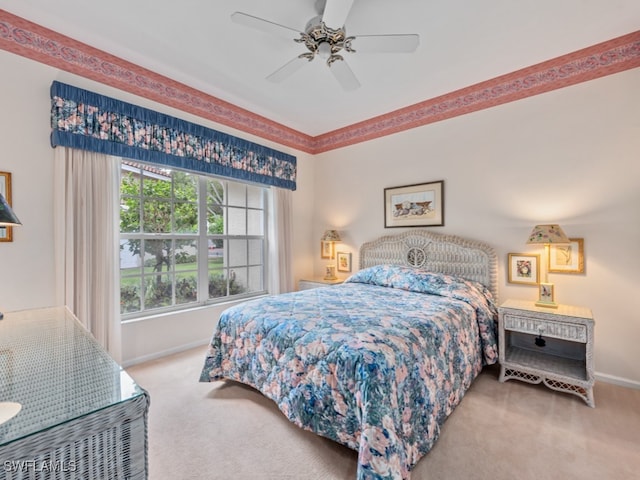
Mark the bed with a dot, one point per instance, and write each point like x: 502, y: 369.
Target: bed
x: 379, y: 362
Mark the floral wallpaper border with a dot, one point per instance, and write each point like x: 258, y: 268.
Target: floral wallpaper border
x: 33, y: 41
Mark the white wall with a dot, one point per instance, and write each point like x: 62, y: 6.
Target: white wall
x: 27, y: 276
x: 570, y: 156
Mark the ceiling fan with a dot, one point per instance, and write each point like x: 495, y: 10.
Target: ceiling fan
x: 325, y: 36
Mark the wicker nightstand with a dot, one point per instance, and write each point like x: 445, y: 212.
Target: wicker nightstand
x: 317, y: 282
x: 550, y: 346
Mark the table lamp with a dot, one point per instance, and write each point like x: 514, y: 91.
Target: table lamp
x: 331, y: 236
x: 8, y: 410
x: 546, y: 235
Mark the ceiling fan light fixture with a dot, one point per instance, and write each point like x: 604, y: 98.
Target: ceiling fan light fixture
x: 324, y: 50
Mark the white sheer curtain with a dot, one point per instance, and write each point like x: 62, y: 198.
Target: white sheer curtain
x: 86, y: 218
x: 280, y: 241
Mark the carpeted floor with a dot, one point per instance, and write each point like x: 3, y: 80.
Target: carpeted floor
x: 225, y: 431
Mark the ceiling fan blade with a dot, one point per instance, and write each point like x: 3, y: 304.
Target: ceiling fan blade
x: 264, y: 25
x: 386, y: 43
x: 288, y: 69
x: 336, y: 12
x: 344, y: 75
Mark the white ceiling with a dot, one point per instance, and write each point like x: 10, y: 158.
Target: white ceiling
x: 462, y: 42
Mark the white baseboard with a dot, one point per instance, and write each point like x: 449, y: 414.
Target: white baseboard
x: 164, y: 353
x: 623, y: 382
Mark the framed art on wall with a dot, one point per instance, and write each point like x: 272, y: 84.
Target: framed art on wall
x: 524, y: 268
x: 6, y: 233
x: 326, y: 249
x: 419, y: 205
x: 344, y: 262
x: 567, y: 258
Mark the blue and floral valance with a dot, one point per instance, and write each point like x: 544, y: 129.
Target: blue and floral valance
x: 89, y: 121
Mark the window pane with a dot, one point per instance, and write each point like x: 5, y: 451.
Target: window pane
x: 185, y: 186
x: 217, y: 284
x: 237, y: 193
x: 237, y: 221
x: 157, y: 254
x: 216, y: 250
x: 186, y: 255
x: 157, y: 291
x: 255, y: 252
x: 255, y: 279
x: 255, y: 222
x: 215, y: 192
x: 130, y: 300
x: 130, y: 180
x: 237, y: 253
x: 157, y: 216
x: 130, y: 276
x: 255, y: 197
x: 130, y: 259
x: 186, y: 288
x: 156, y: 183
x: 186, y: 217
x: 215, y: 220
x: 130, y: 199
x: 130, y: 215
x: 238, y: 281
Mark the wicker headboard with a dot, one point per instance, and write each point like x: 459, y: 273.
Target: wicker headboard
x: 435, y: 252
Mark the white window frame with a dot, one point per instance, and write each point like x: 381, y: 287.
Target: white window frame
x: 202, y: 241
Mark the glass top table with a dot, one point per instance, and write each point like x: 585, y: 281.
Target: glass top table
x: 56, y: 370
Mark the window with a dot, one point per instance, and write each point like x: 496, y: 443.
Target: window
x: 188, y: 239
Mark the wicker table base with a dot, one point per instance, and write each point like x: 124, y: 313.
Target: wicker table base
x: 108, y: 444
x: 82, y: 416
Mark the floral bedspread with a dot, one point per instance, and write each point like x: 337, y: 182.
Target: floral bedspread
x: 377, y: 363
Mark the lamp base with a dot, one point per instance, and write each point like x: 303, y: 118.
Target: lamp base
x: 546, y: 304
x: 330, y: 273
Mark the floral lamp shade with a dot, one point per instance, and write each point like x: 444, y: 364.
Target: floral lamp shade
x: 330, y: 236
x: 7, y: 217
x: 546, y: 234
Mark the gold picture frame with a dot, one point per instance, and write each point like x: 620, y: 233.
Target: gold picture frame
x: 567, y: 258
x: 524, y: 268
x: 344, y: 262
x: 6, y: 233
x: 327, y: 249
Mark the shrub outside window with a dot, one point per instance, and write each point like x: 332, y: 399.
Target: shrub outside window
x: 187, y: 239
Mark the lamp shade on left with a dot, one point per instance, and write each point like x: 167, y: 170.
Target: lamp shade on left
x: 7, y: 217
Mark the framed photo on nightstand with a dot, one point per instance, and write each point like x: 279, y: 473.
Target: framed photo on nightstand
x: 547, y: 293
